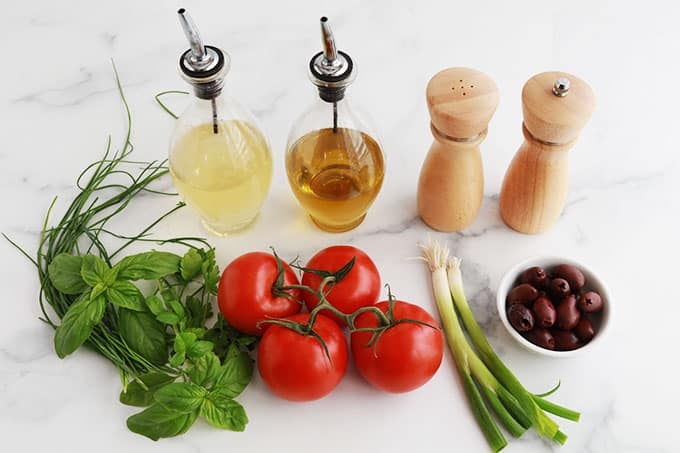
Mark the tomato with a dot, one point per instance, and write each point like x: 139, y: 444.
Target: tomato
x: 405, y: 356
x: 295, y: 367
x: 245, y: 293
x: 359, y: 288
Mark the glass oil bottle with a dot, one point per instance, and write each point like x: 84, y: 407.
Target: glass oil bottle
x: 334, y: 162
x: 219, y: 159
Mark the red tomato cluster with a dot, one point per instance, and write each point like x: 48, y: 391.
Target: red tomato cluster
x: 395, y: 357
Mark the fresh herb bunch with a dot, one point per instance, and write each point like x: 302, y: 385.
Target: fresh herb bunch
x: 167, y: 356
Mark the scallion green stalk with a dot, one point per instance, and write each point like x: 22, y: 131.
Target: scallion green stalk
x: 436, y: 258
x: 543, y: 424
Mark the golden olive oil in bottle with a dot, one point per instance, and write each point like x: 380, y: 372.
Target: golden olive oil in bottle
x: 335, y: 176
x: 335, y: 164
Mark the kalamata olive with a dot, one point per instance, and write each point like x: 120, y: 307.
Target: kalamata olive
x: 541, y: 337
x: 559, y: 288
x: 522, y: 294
x: 565, y: 340
x: 567, y: 313
x: 535, y: 276
x: 584, y: 330
x: 544, y: 312
x: 520, y: 317
x: 572, y: 275
x: 590, y: 302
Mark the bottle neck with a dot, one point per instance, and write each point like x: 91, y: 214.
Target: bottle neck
x: 210, y: 90
x: 331, y: 94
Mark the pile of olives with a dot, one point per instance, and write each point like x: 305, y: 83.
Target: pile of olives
x: 552, y: 310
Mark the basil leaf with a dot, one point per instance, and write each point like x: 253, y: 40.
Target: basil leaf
x: 110, y: 276
x: 64, y: 272
x: 235, y: 374
x: 126, y: 295
x: 168, y: 317
x: 155, y: 304
x: 177, y: 308
x: 183, y: 341
x: 190, y: 265
x: 93, y: 269
x: 198, y: 331
x: 157, y: 421
x: 180, y: 396
x: 199, y: 349
x: 177, y: 359
x: 148, y: 266
x: 144, y: 335
x: 97, y: 290
x: 136, y: 395
x: 77, y: 324
x: 205, y: 370
x: 223, y: 412
x: 179, y: 345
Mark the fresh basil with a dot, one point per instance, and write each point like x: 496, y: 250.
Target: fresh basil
x: 93, y: 270
x: 136, y: 395
x: 223, y: 412
x: 64, y: 273
x: 168, y: 317
x: 235, y: 374
x: 154, y: 304
x: 183, y: 341
x: 205, y: 370
x: 144, y: 335
x: 126, y: 295
x: 148, y: 266
x: 199, y: 349
x: 180, y: 396
x: 178, y: 308
x: 77, y: 324
x: 157, y: 421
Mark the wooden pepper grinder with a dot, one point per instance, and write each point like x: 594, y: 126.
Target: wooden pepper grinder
x: 556, y: 106
x: 461, y: 102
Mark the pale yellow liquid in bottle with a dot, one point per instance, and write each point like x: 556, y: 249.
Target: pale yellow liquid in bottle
x: 335, y: 176
x: 224, y: 177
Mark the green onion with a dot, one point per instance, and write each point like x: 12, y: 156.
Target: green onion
x: 436, y: 258
x: 556, y: 409
x: 539, y: 420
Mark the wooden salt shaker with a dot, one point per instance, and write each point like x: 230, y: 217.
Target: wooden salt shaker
x: 556, y: 106
x: 461, y: 102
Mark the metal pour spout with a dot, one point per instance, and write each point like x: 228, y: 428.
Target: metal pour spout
x: 199, y: 58
x: 330, y: 62
x: 329, y: 51
x: 331, y: 70
x: 200, y: 65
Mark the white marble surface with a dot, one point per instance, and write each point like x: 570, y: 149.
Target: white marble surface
x: 58, y: 103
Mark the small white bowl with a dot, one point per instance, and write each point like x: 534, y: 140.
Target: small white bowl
x: 593, y: 283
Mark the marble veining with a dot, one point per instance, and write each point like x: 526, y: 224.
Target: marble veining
x: 622, y: 215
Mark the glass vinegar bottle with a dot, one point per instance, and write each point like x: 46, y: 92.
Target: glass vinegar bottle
x: 219, y: 159
x: 334, y: 161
